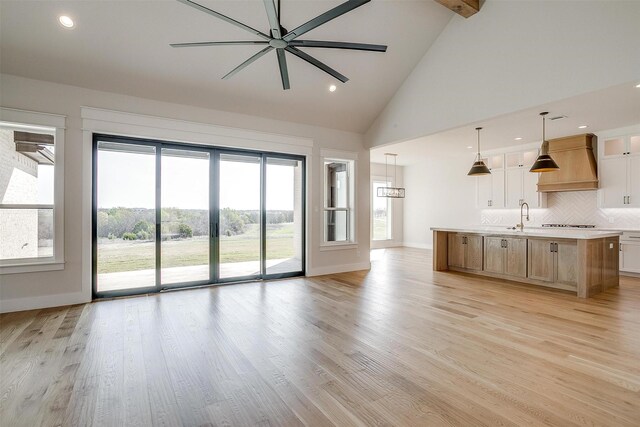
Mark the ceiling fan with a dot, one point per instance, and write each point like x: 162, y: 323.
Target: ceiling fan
x: 283, y: 40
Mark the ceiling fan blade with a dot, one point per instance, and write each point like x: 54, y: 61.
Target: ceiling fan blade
x: 313, y: 61
x: 324, y: 18
x: 284, y: 73
x: 339, y: 45
x: 231, y: 43
x: 274, y: 22
x: 224, y: 18
x: 246, y: 63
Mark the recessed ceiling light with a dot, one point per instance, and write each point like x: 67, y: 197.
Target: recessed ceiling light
x: 469, y: 146
x: 65, y: 21
x: 519, y: 138
x: 332, y: 88
x: 583, y: 127
x: 638, y: 85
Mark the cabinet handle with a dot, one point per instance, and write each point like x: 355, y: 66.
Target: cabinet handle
x: 550, y: 247
x: 555, y: 245
x: 506, y: 243
x: 620, y: 247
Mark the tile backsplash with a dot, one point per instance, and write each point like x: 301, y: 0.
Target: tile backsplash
x: 573, y: 207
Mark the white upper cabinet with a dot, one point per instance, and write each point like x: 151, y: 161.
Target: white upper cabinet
x: 619, y: 171
x: 522, y: 185
x: 510, y: 183
x: 490, y: 188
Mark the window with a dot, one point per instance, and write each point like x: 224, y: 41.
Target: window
x: 381, y: 212
x: 338, y: 201
x: 30, y: 193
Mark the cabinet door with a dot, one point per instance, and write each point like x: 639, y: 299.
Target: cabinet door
x: 514, y: 187
x: 634, y: 181
x: 473, y: 255
x: 614, y: 147
x: 567, y: 263
x: 540, y: 260
x: 494, y: 255
x: 516, y: 259
x: 613, y: 182
x: 530, y: 190
x: 485, y: 185
x: 497, y: 188
x: 610, y: 265
x: 634, y: 144
x: 456, y: 250
x: 630, y: 257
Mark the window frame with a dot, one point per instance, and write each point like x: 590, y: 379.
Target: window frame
x: 351, y: 160
x: 57, y: 124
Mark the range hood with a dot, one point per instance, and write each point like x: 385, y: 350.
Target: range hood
x: 578, y: 169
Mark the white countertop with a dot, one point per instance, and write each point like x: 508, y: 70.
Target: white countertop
x: 542, y: 232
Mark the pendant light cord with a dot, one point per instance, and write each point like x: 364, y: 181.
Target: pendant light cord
x: 479, y: 156
x: 545, y: 145
x: 386, y: 171
x: 394, y: 170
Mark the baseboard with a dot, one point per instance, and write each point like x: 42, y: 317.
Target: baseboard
x: 43, y: 301
x: 629, y: 274
x: 417, y: 245
x: 343, y: 268
x: 384, y: 244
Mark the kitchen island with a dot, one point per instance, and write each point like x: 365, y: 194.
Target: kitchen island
x: 581, y: 261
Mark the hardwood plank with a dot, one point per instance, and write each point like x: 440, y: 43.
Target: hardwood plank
x: 401, y: 344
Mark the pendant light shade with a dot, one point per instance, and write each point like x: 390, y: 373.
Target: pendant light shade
x: 544, y: 162
x: 479, y: 168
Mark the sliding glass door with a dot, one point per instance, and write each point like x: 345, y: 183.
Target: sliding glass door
x: 168, y: 215
x: 239, y: 210
x: 125, y: 218
x: 185, y: 216
x: 284, y: 215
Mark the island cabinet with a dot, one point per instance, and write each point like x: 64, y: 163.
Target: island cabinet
x: 505, y: 255
x: 583, y: 262
x: 554, y: 261
x: 465, y: 251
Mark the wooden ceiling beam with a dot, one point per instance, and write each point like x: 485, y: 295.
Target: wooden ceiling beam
x: 464, y: 8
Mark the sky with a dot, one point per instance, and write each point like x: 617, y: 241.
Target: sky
x: 128, y: 180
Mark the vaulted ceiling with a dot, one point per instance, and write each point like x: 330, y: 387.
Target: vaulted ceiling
x: 123, y: 47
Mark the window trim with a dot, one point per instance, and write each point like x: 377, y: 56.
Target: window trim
x: 58, y: 123
x: 352, y: 159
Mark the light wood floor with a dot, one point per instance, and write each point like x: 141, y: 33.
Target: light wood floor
x: 399, y: 345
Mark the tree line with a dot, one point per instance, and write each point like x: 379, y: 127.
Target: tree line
x: 139, y: 223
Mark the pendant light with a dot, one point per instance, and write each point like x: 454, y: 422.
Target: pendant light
x: 544, y: 162
x: 386, y: 191
x: 479, y: 168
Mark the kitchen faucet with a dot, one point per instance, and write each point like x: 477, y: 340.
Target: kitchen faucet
x: 521, y: 225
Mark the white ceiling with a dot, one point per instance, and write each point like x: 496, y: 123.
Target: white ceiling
x: 611, y: 108
x: 123, y: 47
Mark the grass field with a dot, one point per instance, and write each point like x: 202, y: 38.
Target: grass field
x: 122, y: 255
x: 380, y: 229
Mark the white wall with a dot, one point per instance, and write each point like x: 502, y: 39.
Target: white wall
x: 397, y: 206
x: 439, y: 193
x: 511, y: 56
x: 16, y: 290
